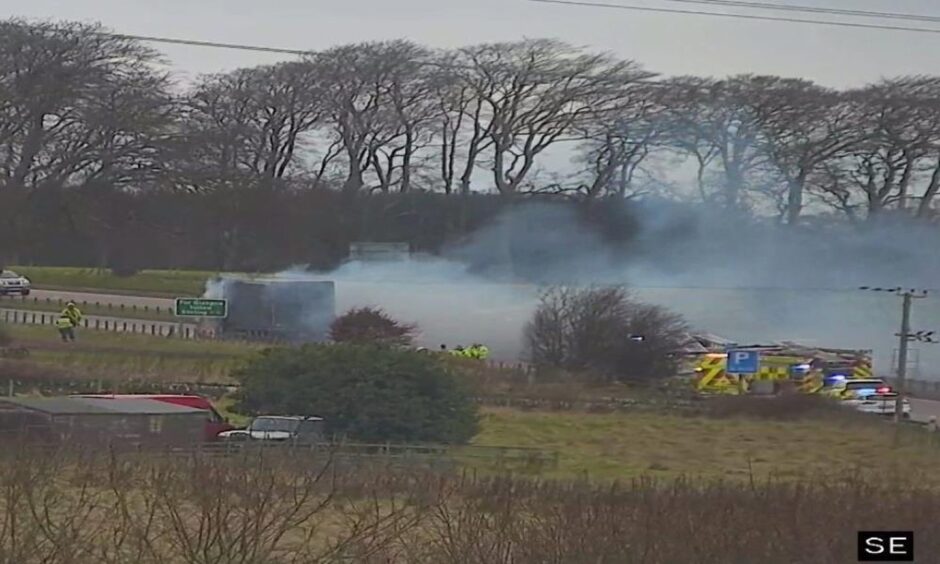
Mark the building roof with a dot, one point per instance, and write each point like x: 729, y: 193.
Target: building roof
x: 291, y: 417
x: 100, y: 406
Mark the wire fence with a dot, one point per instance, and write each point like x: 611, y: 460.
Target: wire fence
x: 435, y: 455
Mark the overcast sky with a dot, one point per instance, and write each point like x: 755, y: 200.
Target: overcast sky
x: 666, y: 43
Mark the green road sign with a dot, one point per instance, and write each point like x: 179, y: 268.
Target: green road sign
x: 201, y: 307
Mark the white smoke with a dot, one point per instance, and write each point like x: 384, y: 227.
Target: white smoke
x: 749, y: 281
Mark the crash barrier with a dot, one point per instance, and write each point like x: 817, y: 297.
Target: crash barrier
x: 96, y: 323
x: 113, y: 309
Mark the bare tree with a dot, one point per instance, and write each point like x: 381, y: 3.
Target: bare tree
x: 465, y: 131
x: 78, y: 106
x: 717, y: 122
x: 372, y: 101
x: 408, y: 110
x: 898, y: 123
x: 804, y: 127
x: 619, y: 141
x: 248, y: 125
x: 535, y: 91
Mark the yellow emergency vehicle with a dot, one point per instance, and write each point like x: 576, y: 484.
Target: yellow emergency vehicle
x: 806, y: 370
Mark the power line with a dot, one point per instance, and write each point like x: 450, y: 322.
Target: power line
x: 587, y: 4
x: 813, y: 10
x: 197, y: 43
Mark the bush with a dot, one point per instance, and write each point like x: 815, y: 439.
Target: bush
x: 371, y: 325
x: 364, y: 392
x: 605, y: 332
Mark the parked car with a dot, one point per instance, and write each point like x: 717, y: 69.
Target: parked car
x: 13, y: 283
x: 215, y: 422
x: 279, y: 428
x: 869, y: 395
x: 881, y: 403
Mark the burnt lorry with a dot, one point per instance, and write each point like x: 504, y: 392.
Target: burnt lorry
x: 273, y: 309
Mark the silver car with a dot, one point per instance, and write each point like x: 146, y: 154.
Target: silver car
x: 13, y: 283
x: 279, y: 428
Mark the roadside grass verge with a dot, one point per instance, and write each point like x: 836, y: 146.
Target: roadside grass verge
x: 120, y: 357
x: 158, y: 283
x: 130, y: 342
x: 137, y: 366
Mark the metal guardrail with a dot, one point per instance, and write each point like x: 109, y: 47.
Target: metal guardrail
x: 103, y: 323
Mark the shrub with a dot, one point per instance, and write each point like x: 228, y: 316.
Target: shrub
x: 364, y: 392
x: 605, y: 332
x: 371, y: 325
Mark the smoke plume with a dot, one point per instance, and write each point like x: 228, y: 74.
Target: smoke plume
x: 749, y: 280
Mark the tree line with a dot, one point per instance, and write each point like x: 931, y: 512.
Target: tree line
x: 101, y: 148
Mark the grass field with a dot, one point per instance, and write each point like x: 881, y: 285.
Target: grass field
x: 133, y: 343
x: 109, y: 507
x: 117, y: 356
x: 159, y: 283
x: 620, y: 445
x: 628, y: 445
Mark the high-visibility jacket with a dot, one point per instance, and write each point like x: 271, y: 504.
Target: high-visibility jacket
x: 64, y: 322
x: 74, y: 314
x: 483, y: 352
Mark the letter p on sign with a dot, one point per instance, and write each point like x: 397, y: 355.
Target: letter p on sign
x: 743, y: 362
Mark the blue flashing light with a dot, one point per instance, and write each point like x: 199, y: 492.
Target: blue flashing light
x: 834, y: 380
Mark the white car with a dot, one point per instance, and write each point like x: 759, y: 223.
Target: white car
x: 881, y: 404
x: 13, y: 283
x: 873, y: 396
x: 279, y: 429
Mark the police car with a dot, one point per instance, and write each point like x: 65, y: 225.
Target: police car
x: 870, y: 395
x: 13, y: 283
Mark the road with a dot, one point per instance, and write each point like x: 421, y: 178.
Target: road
x: 139, y: 301
x: 923, y: 409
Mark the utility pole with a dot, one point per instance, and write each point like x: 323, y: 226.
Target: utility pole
x: 905, y: 336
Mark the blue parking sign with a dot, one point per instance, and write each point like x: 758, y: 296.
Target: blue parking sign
x: 743, y: 362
